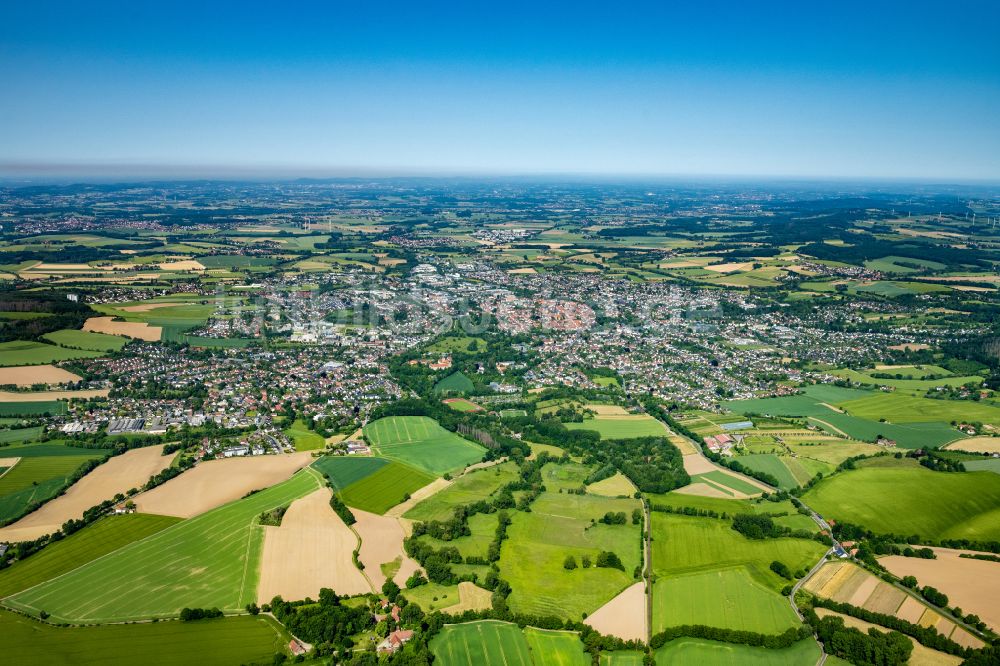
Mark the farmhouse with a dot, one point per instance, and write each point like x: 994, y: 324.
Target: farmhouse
x: 394, y: 641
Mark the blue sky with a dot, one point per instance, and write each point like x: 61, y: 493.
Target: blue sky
x: 846, y: 89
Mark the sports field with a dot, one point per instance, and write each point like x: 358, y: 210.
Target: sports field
x: 86, y: 340
x: 303, y: 438
x: 210, y: 560
x: 420, y: 442
x: 342, y: 471
x: 465, y: 490
x: 896, y: 500
x: 728, y: 598
x: 621, y: 427
x: 23, y: 352
x: 385, y: 487
x: 96, y: 540
x: 483, y: 642
x: 712, y: 653
x: 558, y: 525
x: 462, y: 405
x: 222, y: 641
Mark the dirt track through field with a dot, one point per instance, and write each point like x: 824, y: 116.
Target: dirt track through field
x: 312, y: 549
x: 141, y: 331
x: 118, y: 475
x: 432, y: 488
x: 28, y: 375
x: 972, y: 585
x: 217, y: 482
x: 624, y: 616
x: 382, y: 542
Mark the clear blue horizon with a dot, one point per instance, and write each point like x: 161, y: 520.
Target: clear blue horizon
x: 848, y: 90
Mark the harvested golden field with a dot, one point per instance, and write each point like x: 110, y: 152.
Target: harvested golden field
x: 185, y: 265
x: 471, y: 597
x: 921, y: 656
x: 312, y: 549
x: 7, y: 463
x: 28, y: 375
x: 976, y: 445
x: 118, y: 475
x: 848, y: 583
x: 624, y: 616
x: 972, y: 585
x: 703, y: 490
x: 43, y: 396
x: 613, y: 486
x: 130, y: 329
x: 730, y: 268
x: 217, y: 482
x: 381, y: 543
x: 607, y: 410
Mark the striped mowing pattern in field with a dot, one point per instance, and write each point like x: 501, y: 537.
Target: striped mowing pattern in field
x: 105, y: 536
x: 477, y: 643
x: 421, y: 442
x: 210, y: 560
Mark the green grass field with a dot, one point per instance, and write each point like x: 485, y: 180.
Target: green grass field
x: 47, y: 449
x: 465, y: 490
x: 899, y: 408
x: 712, y: 653
x: 86, y: 340
x: 420, y: 442
x: 222, y: 641
x: 40, y: 408
x: 728, y: 480
x: 686, y: 544
x: 610, y: 428
x: 809, y: 403
x: 210, y: 560
x: 483, y: 642
x: 454, y: 383
x: 35, y: 479
x: 96, y: 540
x: 907, y: 435
x: 558, y: 525
x: 559, y: 648
x: 728, y: 598
x: 459, y: 344
x: 19, y: 434
x: 483, y: 527
x: 910, y: 384
x: 773, y: 465
x: 913, y: 501
x: 622, y: 658
x: 385, y: 487
x: 22, y: 352
x: 342, y: 471
x: 304, y: 438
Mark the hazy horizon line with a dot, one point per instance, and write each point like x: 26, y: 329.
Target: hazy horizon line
x: 124, y: 172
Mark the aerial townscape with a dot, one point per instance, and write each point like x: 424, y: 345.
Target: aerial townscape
x: 499, y: 334
x: 390, y: 421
